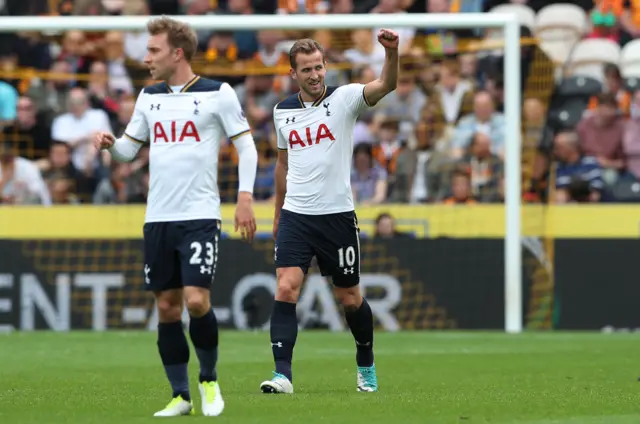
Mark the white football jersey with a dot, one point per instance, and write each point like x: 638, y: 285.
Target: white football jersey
x: 184, y: 130
x: 318, y: 137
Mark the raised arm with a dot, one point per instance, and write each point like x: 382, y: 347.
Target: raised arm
x: 386, y: 83
x: 125, y: 148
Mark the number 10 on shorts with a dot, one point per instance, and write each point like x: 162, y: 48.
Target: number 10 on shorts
x: 347, y: 259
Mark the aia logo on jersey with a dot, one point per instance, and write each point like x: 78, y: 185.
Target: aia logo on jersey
x: 308, y: 137
x: 170, y: 132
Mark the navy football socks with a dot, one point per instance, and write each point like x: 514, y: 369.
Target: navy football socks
x: 284, y: 332
x: 204, y: 335
x: 360, y: 322
x: 174, y: 352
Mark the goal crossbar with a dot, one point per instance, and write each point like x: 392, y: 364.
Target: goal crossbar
x: 512, y: 100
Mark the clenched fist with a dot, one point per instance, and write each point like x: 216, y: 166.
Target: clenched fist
x: 389, y: 39
x: 104, y: 140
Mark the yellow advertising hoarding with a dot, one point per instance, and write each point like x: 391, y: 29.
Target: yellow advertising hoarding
x: 477, y: 221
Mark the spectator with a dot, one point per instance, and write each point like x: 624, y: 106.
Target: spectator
x: 58, y: 166
x: 258, y: 98
x: 119, y: 81
x: 631, y: 142
x: 136, y: 185
x: 62, y: 190
x: 20, y: 180
x: 630, y: 21
x: 483, y: 119
x: 246, y: 41
x: 112, y: 190
x: 453, y: 95
x: 266, y: 173
x: 605, y: 20
x: 51, y: 97
x: 615, y: 86
x: 461, y: 192
x: 600, y: 135
x: 368, y: 179
x: 98, y: 89
x: 30, y: 132
x: 405, y: 104
x: 77, y: 52
x: 223, y: 52
x: 483, y: 167
x: 123, y: 116
x: 364, y: 52
x: 8, y: 104
x: 141, y: 196
x: 573, y: 168
x: 135, y: 42
x: 406, y: 34
x: 419, y: 171
x: 78, y: 127
x: 386, y: 150
x: 386, y: 228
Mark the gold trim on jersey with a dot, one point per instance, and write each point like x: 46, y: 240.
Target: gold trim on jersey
x: 234, y: 137
x: 134, y: 139
x: 321, y: 98
x: 186, y: 87
x: 317, y: 101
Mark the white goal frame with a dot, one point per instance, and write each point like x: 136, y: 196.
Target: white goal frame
x: 512, y: 99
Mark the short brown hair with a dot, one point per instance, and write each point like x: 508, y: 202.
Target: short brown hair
x: 304, y: 46
x: 179, y: 34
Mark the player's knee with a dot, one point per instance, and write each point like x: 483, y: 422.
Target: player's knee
x: 198, y: 305
x: 349, y: 298
x: 289, y: 284
x: 169, y: 311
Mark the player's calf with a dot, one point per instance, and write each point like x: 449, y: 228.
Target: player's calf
x: 174, y: 352
x: 359, y: 318
x: 284, y: 328
x: 203, y: 330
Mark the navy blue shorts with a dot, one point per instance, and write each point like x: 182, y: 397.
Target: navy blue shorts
x: 180, y: 253
x: 333, y: 239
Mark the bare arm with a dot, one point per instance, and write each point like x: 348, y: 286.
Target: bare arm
x: 282, y: 167
x: 386, y: 83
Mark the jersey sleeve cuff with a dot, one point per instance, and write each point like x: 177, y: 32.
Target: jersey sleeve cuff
x: 134, y: 139
x: 364, y: 97
x: 237, y: 136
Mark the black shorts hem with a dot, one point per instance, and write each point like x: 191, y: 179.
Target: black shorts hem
x: 345, y: 283
x: 305, y: 269
x: 164, y: 289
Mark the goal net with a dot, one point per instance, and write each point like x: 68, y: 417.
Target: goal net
x: 429, y: 175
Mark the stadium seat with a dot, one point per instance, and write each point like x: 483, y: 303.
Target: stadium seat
x: 559, y: 27
x: 579, y: 86
x: 630, y: 59
x: 525, y: 14
x: 567, y: 115
x: 632, y: 84
x: 589, y: 56
x: 573, y: 90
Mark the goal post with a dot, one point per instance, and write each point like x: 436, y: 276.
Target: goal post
x: 508, y: 23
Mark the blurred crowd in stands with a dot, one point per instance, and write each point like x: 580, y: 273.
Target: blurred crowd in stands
x: 439, y: 138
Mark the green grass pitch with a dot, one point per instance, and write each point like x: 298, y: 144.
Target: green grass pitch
x: 428, y: 377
